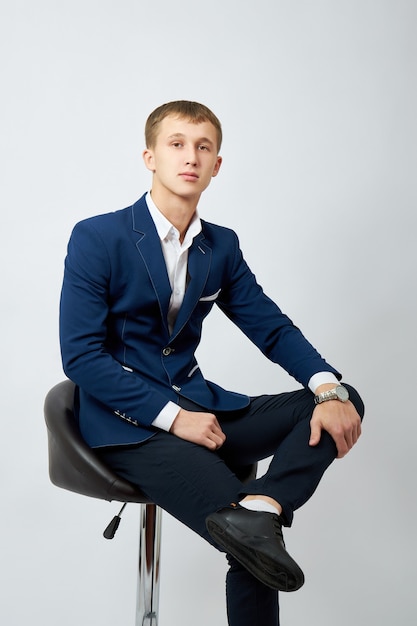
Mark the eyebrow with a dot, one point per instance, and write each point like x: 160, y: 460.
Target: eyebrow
x: 200, y: 140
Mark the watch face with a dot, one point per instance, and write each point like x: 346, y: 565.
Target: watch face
x: 342, y: 393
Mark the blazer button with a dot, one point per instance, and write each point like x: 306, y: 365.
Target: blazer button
x: 166, y: 351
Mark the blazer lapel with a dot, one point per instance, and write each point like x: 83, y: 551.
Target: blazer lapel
x: 149, y: 247
x: 199, y: 261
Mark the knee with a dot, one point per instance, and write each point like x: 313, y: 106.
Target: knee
x: 356, y: 400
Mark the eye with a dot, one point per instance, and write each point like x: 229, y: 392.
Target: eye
x: 176, y: 144
x: 203, y: 147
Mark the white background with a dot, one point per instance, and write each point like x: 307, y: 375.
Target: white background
x: 318, y: 104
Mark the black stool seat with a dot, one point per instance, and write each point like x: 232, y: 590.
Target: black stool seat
x: 73, y: 465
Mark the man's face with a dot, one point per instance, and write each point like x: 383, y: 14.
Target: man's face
x: 184, y: 157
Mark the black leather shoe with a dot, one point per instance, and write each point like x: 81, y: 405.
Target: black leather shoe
x: 255, y: 539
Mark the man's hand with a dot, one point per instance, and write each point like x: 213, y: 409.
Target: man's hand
x: 200, y: 428
x: 339, y: 419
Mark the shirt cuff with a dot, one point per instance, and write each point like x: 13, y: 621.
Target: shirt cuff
x: 321, y: 378
x: 165, y: 418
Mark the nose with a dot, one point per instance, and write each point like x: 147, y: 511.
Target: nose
x: 191, y: 157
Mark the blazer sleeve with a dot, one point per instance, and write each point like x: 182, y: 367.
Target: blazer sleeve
x: 84, y: 309
x: 273, y: 332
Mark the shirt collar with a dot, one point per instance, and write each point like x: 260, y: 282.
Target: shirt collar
x: 164, y: 227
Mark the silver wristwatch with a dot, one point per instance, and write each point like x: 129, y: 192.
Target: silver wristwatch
x: 337, y: 393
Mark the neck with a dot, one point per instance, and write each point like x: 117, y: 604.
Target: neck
x: 179, y: 211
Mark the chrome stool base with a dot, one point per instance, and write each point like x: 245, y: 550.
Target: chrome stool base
x: 147, y: 597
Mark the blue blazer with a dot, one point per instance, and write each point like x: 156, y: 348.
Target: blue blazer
x: 115, y: 341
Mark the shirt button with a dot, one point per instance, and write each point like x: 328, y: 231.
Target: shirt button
x: 166, y: 351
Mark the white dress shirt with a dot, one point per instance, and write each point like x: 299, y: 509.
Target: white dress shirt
x: 176, y: 259
x: 175, y: 255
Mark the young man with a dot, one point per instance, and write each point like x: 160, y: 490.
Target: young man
x: 138, y: 284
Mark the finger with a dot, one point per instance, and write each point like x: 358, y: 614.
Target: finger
x: 213, y: 437
x: 315, y: 435
x: 342, y: 447
x: 214, y: 443
x: 216, y: 425
x: 219, y: 439
x: 350, y: 439
x: 353, y: 435
x: 217, y: 429
x: 219, y: 433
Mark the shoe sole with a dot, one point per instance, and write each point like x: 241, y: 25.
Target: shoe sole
x: 272, y: 574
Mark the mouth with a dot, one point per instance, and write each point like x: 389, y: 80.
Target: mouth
x: 189, y: 176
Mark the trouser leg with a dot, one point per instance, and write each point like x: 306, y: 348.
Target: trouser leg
x: 249, y: 602
x: 186, y: 480
x: 279, y: 426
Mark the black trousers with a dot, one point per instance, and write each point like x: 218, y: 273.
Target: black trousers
x: 190, y: 481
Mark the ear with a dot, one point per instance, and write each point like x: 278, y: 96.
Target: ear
x: 148, y: 159
x: 217, y: 166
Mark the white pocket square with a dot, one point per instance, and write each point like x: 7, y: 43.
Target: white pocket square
x: 210, y: 298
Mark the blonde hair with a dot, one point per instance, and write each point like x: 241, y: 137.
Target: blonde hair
x: 184, y: 109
